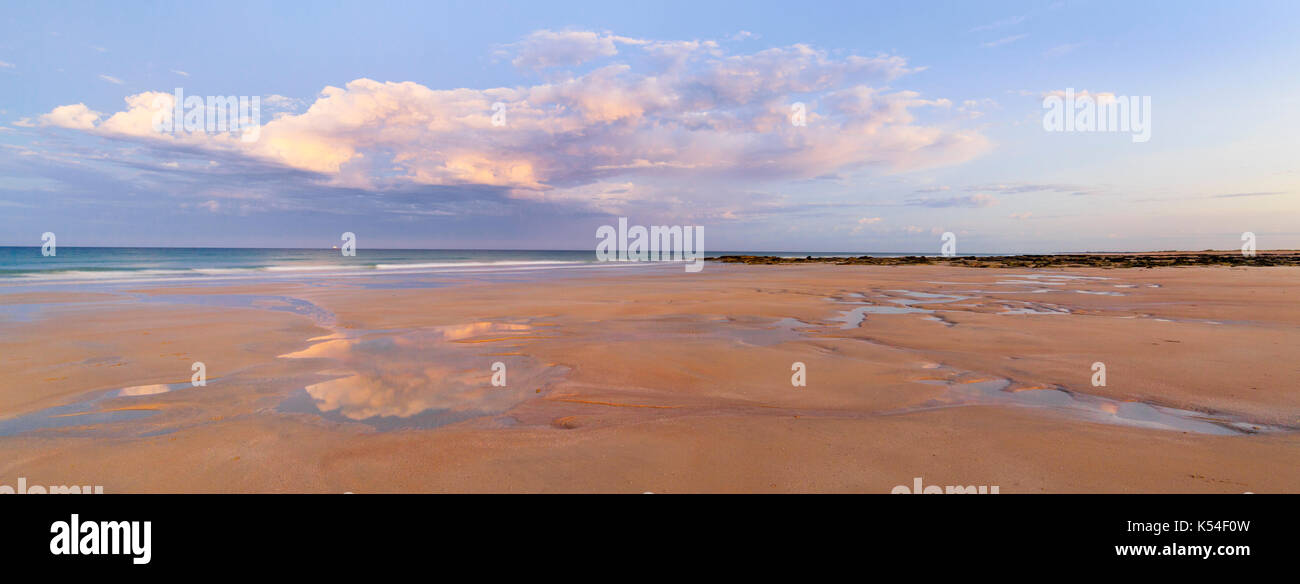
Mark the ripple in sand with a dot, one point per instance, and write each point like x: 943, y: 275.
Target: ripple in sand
x: 1030, y: 309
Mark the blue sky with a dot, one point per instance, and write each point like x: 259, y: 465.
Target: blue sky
x: 923, y: 118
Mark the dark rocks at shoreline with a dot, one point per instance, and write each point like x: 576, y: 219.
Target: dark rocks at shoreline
x: 1084, y: 260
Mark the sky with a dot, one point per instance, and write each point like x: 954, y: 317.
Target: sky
x: 777, y: 126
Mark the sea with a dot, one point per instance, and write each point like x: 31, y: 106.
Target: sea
x: 105, y: 265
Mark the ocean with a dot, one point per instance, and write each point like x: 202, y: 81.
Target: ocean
x: 134, y: 264
x: 88, y: 265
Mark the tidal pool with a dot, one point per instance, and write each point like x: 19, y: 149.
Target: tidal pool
x: 423, y: 378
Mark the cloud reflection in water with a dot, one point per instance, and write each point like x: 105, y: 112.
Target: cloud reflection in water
x: 424, y: 378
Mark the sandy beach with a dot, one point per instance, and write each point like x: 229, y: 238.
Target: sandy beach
x: 634, y: 380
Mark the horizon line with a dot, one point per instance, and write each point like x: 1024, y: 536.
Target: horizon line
x: 735, y: 251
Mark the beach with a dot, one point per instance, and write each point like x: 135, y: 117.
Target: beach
x: 632, y: 379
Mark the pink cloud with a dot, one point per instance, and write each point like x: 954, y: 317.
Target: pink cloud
x: 695, y: 113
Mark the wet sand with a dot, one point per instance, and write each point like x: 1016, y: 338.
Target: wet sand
x: 664, y: 381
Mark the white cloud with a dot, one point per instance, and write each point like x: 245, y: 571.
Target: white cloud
x: 975, y: 108
x: 1011, y: 21
x: 111, y: 79
x: 1099, y: 96
x: 1004, y: 41
x: 863, y: 223
x: 587, y: 138
x: 76, y: 116
x: 548, y: 48
x: 280, y: 102
x: 1062, y: 50
x: 975, y: 200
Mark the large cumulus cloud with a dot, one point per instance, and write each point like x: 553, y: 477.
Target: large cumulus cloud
x: 613, y: 120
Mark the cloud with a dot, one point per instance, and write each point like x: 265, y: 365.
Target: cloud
x: 181, y: 73
x: 605, y: 197
x: 974, y: 108
x: 111, y: 79
x: 1004, y: 40
x: 1256, y: 194
x: 1098, y: 96
x: 1011, y: 21
x: 75, y: 116
x: 976, y: 200
x: 863, y: 223
x: 279, y: 103
x: 548, y: 48
x: 5, y: 65
x: 689, y: 113
x: 1018, y: 188
x: 138, y: 119
x: 1062, y: 50
x: 1021, y: 216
